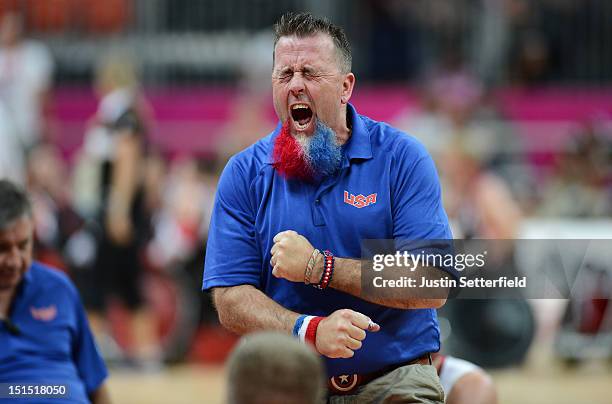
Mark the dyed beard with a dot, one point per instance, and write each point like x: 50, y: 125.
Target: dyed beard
x: 307, y: 158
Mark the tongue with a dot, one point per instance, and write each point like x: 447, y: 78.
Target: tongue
x: 303, y: 121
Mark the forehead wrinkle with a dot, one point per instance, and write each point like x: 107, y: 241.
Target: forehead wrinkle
x: 295, y: 49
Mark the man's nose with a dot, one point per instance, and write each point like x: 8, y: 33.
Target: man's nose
x: 297, y: 85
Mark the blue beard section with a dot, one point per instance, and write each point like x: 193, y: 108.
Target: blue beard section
x: 322, y: 153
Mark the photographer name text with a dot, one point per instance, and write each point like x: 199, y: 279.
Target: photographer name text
x: 463, y: 282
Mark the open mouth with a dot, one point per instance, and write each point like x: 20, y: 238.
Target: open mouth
x: 302, y: 116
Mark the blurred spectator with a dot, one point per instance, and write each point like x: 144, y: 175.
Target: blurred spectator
x: 251, y: 114
x: 582, y: 183
x: 61, y: 236
x: 181, y: 224
x: 273, y: 368
x: 478, y: 202
x: 26, y: 70
x: 455, y: 107
x: 12, y: 159
x: 447, y: 102
x: 44, y: 335
x: 464, y: 382
x: 180, y: 228
x: 427, y: 123
x: 112, y: 188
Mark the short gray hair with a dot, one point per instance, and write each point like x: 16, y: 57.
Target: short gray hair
x: 305, y: 24
x: 14, y: 203
x: 270, y: 367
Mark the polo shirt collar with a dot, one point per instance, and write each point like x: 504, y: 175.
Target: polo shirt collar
x: 358, y: 146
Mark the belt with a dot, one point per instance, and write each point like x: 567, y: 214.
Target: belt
x: 347, y: 384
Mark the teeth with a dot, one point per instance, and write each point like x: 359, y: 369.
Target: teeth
x: 298, y: 125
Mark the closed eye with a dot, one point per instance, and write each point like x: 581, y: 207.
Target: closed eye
x: 284, y: 74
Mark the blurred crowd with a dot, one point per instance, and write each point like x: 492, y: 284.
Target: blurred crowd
x: 489, y: 183
x: 118, y: 209
x: 121, y: 209
x: 503, y: 41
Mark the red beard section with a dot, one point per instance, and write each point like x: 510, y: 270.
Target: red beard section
x: 289, y: 159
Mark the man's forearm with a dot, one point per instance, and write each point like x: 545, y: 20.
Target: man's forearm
x: 347, y: 278
x: 292, y: 252
x: 243, y: 309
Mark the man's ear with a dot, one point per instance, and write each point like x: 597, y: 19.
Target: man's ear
x: 347, y: 87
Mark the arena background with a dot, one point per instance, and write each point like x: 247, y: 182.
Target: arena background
x: 512, y: 97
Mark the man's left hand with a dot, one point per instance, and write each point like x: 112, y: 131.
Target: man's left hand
x: 290, y: 254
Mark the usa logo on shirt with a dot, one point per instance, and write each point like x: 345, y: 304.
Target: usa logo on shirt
x: 44, y: 313
x: 359, y: 201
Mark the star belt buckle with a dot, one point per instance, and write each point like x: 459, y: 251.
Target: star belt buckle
x: 344, y: 383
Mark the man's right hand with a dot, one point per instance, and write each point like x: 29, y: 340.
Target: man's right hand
x: 340, y: 334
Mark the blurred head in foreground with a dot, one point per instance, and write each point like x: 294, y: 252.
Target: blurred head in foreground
x: 274, y: 368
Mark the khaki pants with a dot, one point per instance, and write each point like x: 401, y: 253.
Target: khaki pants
x: 408, y: 384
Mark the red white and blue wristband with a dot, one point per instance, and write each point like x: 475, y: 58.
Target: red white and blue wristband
x: 305, y: 328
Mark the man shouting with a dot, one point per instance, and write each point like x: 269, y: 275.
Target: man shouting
x: 291, y: 212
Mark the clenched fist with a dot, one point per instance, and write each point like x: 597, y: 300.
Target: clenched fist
x: 340, y: 334
x: 290, y: 254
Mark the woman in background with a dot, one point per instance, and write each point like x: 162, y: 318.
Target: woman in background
x: 112, y: 188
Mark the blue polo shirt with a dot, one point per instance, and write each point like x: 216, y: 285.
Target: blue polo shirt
x: 55, y: 344
x: 254, y: 203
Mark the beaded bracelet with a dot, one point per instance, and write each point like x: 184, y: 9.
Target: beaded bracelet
x: 328, y: 270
